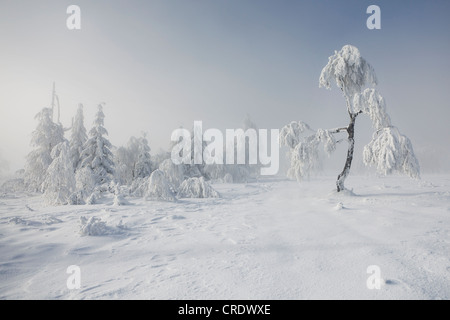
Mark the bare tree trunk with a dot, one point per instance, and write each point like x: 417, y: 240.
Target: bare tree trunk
x: 351, y: 145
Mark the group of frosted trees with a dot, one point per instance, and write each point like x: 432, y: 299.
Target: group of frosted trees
x: 85, y: 167
x: 81, y: 169
x: 68, y: 171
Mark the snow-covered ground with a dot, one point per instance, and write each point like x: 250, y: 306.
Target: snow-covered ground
x: 275, y: 239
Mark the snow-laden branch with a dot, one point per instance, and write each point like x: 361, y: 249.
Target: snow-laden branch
x: 390, y: 152
x: 350, y: 72
x: 303, y: 143
x: 373, y: 104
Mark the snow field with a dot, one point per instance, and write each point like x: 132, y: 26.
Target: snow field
x: 275, y: 239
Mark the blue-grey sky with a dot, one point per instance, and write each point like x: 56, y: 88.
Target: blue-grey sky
x: 162, y: 64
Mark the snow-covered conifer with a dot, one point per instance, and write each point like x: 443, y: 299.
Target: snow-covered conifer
x: 143, y: 165
x: 97, y: 153
x: 78, y: 137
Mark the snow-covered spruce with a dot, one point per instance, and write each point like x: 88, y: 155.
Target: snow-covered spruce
x: 96, y: 153
x: 143, y: 165
x: 158, y: 187
x: 389, y: 151
x: 78, y: 137
x: 196, y: 188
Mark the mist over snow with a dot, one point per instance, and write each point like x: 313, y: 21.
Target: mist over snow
x: 159, y: 65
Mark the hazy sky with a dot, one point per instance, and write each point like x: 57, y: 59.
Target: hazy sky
x: 162, y: 64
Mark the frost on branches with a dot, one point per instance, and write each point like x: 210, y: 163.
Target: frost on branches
x: 389, y: 151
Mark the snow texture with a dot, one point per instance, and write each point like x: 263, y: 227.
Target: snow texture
x: 274, y: 239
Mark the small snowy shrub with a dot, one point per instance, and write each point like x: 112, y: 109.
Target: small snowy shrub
x: 158, y: 188
x: 93, y: 227
x: 174, y: 173
x: 196, y: 188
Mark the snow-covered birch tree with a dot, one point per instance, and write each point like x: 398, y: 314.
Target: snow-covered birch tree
x: 96, y: 153
x: 389, y: 151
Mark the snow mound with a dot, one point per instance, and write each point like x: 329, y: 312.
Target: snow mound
x: 158, y: 187
x: 119, y: 200
x: 96, y: 227
x: 339, y: 206
x: 197, y: 188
